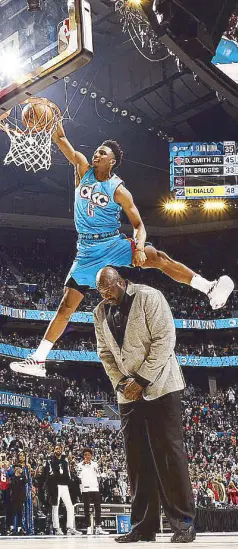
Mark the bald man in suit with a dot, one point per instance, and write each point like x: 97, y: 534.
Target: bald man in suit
x: 135, y: 341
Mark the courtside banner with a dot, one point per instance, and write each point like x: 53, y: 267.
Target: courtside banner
x: 31, y: 314
x: 209, y: 361
x: 87, y: 318
x: 91, y: 356
x: 25, y: 402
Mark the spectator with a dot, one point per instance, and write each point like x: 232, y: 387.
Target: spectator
x: 88, y: 474
x: 58, y: 481
x: 18, y: 495
x: 27, y: 512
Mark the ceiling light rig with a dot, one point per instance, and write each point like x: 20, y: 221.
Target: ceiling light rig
x: 135, y: 22
x: 124, y: 112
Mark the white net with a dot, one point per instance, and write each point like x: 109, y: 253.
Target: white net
x: 30, y: 147
x: 31, y: 151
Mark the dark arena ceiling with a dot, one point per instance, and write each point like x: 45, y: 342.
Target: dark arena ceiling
x: 164, y: 94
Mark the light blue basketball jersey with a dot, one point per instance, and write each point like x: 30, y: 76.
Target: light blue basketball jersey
x: 95, y: 210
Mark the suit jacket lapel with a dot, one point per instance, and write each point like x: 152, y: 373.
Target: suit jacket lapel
x: 108, y: 323
x: 109, y: 336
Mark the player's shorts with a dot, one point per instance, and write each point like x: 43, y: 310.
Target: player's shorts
x: 92, y: 256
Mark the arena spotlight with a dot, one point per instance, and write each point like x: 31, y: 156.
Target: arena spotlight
x: 10, y: 64
x: 132, y: 117
x: 83, y: 91
x: 115, y: 109
x: 34, y: 5
x: 138, y: 120
x: 109, y: 104
x: 93, y: 95
x: 124, y: 112
x: 214, y: 205
x: 103, y: 100
x: 134, y: 3
x: 175, y: 207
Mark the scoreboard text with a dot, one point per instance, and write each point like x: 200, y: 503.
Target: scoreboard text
x: 191, y: 164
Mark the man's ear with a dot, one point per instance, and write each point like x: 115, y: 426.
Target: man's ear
x: 113, y: 162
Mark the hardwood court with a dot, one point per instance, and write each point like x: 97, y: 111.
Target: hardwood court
x: 203, y: 541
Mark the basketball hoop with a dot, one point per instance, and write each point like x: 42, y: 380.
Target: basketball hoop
x: 31, y: 146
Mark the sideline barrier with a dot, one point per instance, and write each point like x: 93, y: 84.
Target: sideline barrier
x: 91, y: 356
x: 87, y: 318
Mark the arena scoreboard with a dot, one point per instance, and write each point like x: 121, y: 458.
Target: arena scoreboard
x: 204, y: 170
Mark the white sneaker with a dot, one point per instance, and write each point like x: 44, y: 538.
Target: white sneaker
x: 89, y: 531
x: 73, y: 532
x: 58, y: 532
x: 220, y: 291
x: 100, y: 531
x: 29, y: 367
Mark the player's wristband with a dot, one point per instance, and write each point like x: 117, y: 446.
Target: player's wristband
x: 139, y: 250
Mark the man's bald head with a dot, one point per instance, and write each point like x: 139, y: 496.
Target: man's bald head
x: 106, y: 276
x: 110, y: 285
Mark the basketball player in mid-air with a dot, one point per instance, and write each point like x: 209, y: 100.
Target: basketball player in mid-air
x: 99, y: 198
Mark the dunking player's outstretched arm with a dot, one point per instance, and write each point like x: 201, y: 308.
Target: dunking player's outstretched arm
x: 124, y: 198
x: 74, y: 157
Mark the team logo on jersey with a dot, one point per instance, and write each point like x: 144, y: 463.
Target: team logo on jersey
x: 94, y: 198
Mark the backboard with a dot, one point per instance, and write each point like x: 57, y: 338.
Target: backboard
x: 41, y: 45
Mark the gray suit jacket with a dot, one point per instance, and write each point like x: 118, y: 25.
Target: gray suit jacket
x: 148, y: 345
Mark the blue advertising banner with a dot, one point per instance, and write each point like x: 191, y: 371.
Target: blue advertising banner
x: 198, y: 324
x: 123, y: 524
x: 87, y: 318
x: 58, y: 355
x: 207, y: 361
x: 32, y: 314
x: 91, y: 356
x: 25, y: 402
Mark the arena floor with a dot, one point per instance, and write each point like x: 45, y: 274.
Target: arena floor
x: 203, y: 541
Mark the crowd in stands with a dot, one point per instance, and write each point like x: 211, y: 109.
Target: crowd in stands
x: 32, y: 341
x: 28, y: 282
x: 78, y: 397
x: 210, y: 423
x: 232, y: 31
x: 75, y: 343
x: 211, y: 435
x: 210, y: 431
x: 23, y: 430
x: 224, y: 348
